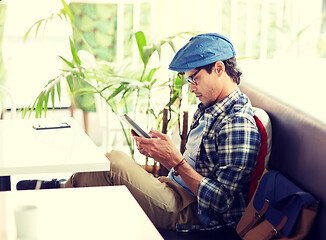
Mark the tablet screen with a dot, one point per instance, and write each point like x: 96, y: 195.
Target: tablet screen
x: 134, y: 126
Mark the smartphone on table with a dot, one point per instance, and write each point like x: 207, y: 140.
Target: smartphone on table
x: 50, y: 124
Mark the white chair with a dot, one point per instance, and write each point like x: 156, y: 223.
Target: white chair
x: 7, y: 95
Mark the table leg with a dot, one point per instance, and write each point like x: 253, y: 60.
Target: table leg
x: 5, y: 183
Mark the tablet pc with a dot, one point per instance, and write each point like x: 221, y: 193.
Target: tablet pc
x: 140, y: 132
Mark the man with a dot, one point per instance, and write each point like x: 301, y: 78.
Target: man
x: 207, y: 185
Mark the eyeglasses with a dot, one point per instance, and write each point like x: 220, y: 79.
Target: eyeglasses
x: 191, y: 79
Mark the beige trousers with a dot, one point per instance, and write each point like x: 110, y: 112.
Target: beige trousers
x: 164, y: 201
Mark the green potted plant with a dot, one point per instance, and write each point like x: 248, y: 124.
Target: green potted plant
x: 115, y: 84
x: 124, y: 87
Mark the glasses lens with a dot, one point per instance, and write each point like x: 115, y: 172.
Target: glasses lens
x: 191, y: 80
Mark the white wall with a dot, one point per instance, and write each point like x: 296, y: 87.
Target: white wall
x: 294, y: 72
x: 297, y: 82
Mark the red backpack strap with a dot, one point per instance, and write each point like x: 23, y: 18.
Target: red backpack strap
x: 264, y: 151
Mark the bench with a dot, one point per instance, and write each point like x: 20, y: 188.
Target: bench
x: 298, y: 151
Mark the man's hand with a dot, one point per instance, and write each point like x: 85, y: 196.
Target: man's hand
x: 160, y: 147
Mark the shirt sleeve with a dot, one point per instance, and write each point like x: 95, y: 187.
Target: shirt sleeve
x: 237, y: 146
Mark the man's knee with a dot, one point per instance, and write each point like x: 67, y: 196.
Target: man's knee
x: 89, y: 179
x: 119, y: 159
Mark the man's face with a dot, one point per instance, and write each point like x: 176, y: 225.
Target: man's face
x: 209, y: 86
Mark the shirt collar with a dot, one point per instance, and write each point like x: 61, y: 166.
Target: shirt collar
x: 221, y: 106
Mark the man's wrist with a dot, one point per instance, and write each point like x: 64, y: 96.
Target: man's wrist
x: 178, y: 165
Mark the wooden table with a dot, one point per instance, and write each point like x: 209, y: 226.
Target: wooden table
x: 24, y: 150
x: 79, y: 213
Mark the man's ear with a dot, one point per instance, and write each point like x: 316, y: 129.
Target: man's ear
x: 219, y: 67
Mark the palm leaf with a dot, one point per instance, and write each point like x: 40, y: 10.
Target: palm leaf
x: 37, y: 24
x: 39, y: 105
x: 52, y: 96
x: 45, y: 103
x: 74, y: 52
x: 66, y: 10
x: 58, y: 87
x: 70, y: 64
x: 151, y: 74
x: 141, y: 43
x: 116, y: 92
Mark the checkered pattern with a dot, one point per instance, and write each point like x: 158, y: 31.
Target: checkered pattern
x: 227, y: 155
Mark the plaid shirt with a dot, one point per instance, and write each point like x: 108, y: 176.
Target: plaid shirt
x: 226, y: 157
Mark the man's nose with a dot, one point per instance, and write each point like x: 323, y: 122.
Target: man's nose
x: 192, y: 88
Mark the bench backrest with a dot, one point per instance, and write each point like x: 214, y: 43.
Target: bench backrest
x: 298, y: 149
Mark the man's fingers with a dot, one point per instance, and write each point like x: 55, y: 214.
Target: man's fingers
x: 158, y: 134
x: 143, y: 140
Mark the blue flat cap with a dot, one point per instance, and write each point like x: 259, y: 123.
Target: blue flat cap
x: 201, y: 50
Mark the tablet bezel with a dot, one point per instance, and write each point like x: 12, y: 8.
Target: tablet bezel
x: 134, y: 126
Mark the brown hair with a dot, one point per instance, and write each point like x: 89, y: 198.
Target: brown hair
x: 230, y: 67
